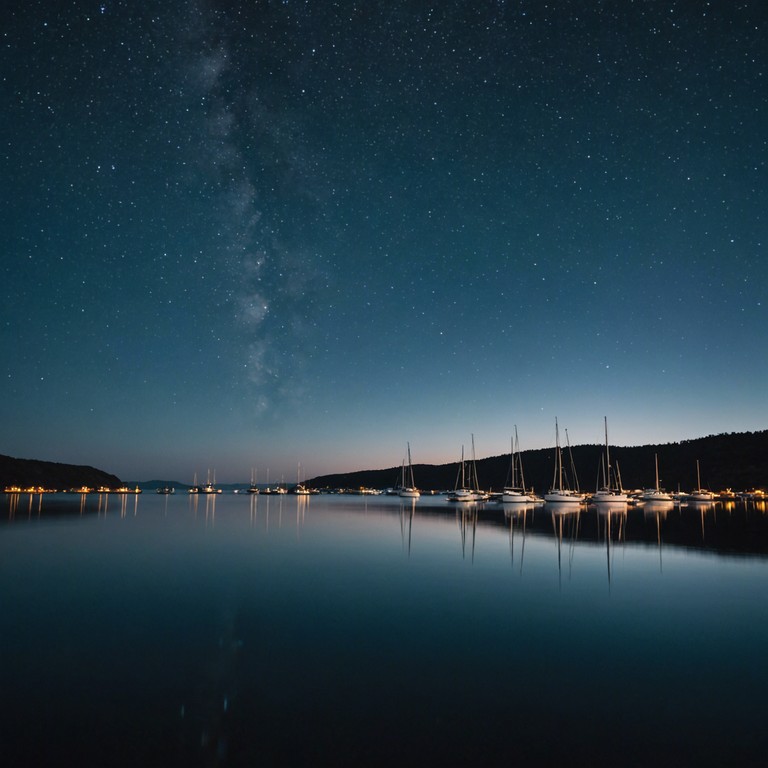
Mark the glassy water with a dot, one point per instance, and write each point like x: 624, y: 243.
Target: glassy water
x: 340, y: 630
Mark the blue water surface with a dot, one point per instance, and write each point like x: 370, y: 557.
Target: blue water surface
x: 340, y: 630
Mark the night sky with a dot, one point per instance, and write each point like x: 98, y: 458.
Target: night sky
x: 260, y: 234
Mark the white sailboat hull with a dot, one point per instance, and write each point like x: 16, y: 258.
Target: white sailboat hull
x: 609, y: 497
x: 465, y: 494
x: 701, y: 496
x: 653, y: 495
x: 563, y: 497
x: 511, y: 496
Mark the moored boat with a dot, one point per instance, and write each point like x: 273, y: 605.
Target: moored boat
x: 699, y: 493
x: 467, y: 489
x: 515, y: 492
x: 558, y: 494
x: 657, y: 493
x: 408, y: 489
x: 611, y: 491
x: 253, y: 487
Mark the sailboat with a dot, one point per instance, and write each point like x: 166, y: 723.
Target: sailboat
x: 408, y: 487
x: 253, y: 487
x: 210, y: 485
x: 700, y: 494
x: 195, y: 487
x: 268, y: 489
x: 558, y: 494
x: 515, y: 492
x: 656, y: 494
x: 467, y: 491
x: 300, y: 489
x: 610, y: 491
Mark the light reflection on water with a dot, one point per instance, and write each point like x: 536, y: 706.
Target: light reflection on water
x: 241, y: 630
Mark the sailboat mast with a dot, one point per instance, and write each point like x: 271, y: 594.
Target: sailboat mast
x: 519, y: 461
x: 573, y: 465
x: 607, y: 456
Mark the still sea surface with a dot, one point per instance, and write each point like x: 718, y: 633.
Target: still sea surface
x: 350, y: 630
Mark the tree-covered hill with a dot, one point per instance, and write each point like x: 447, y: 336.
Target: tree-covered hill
x: 27, y: 473
x: 734, y: 460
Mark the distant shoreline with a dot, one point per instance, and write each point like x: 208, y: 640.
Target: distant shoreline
x: 737, y: 461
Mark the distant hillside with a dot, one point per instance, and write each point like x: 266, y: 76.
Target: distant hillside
x: 735, y: 460
x: 28, y: 473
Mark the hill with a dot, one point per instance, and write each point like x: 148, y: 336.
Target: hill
x: 733, y: 460
x: 27, y: 473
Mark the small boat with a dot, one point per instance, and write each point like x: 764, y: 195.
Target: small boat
x: 195, y: 487
x: 515, y: 492
x: 700, y: 494
x: 408, y: 489
x: 253, y: 488
x: 657, y: 493
x: 210, y: 486
x: 558, y: 493
x: 611, y: 490
x: 165, y: 490
x: 467, y: 491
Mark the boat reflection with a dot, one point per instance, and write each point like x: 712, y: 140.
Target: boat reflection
x: 613, y: 516
x: 466, y: 517
x: 566, y: 519
x: 302, y: 504
x: 407, y: 512
x: 658, y: 510
x: 702, y: 507
x: 210, y: 506
x: 277, y: 503
x: 517, y: 515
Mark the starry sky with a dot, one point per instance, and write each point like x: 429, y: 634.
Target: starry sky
x: 243, y: 235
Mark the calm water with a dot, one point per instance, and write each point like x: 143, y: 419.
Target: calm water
x: 243, y: 630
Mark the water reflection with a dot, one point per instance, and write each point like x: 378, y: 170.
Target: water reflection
x: 466, y: 517
x: 613, y: 516
x: 407, y: 513
x: 14, y: 500
x: 702, y: 507
x: 658, y: 510
x: 302, y: 505
x: 728, y: 527
x: 314, y: 642
x: 517, y: 516
x: 566, y: 519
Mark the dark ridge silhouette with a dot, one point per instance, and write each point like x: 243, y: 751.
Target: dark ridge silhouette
x: 28, y: 473
x: 732, y: 460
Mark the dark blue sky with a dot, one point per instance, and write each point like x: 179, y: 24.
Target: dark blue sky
x: 260, y: 234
